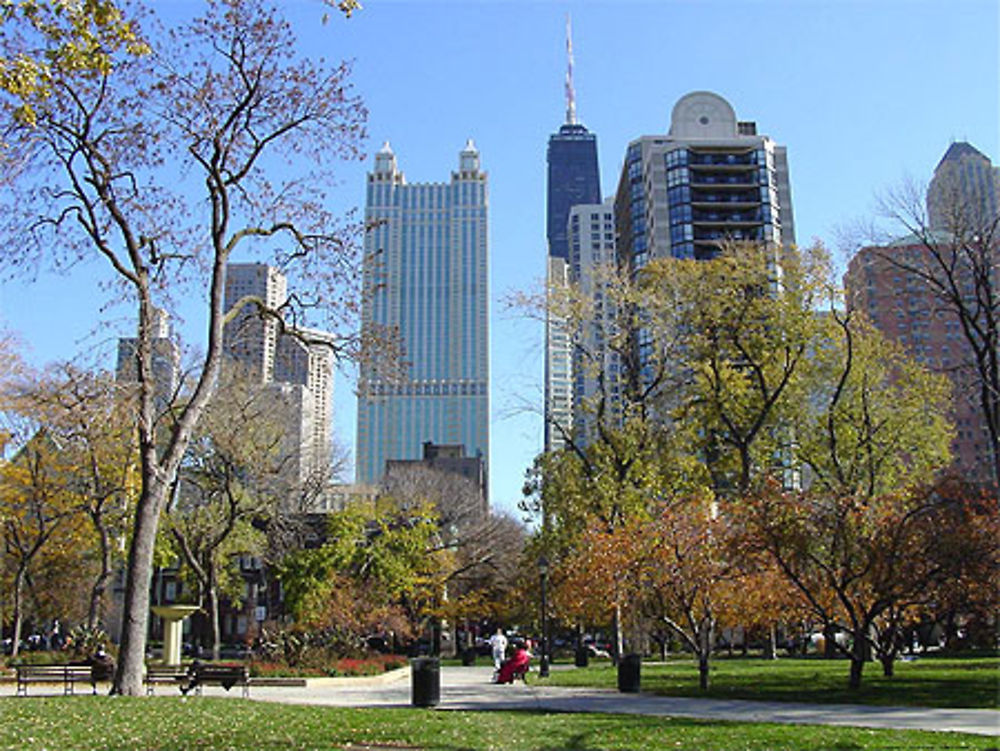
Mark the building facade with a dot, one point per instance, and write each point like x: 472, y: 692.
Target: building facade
x: 595, y: 362
x: 166, y: 360
x: 426, y: 277
x: 295, y: 366
x: 710, y: 179
x: 962, y: 199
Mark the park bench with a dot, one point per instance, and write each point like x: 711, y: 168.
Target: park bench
x: 172, y: 675
x: 68, y: 675
x: 226, y: 676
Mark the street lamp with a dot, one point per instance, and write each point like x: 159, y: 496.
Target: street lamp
x: 543, y: 574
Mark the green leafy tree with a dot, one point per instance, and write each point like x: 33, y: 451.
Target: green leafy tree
x: 872, y: 419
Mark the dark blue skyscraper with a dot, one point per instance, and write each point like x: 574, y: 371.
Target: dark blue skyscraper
x: 573, y: 179
x: 573, y: 173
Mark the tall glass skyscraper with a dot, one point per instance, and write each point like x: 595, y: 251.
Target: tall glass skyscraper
x: 426, y: 275
x: 573, y: 179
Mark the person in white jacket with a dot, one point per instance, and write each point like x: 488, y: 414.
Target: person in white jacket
x: 498, y: 642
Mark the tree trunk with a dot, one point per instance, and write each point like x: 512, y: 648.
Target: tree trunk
x: 618, y: 644
x: 829, y: 641
x: 771, y: 648
x: 135, y: 618
x: 18, y: 611
x: 97, y: 591
x: 212, y: 596
x: 703, y: 679
x: 857, y: 666
x: 888, y: 664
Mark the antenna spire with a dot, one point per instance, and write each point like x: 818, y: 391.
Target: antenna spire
x: 570, y: 93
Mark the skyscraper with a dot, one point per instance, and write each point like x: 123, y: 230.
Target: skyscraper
x: 964, y: 194
x: 295, y: 365
x: 426, y: 275
x: 711, y: 178
x: 573, y: 178
x: 166, y: 360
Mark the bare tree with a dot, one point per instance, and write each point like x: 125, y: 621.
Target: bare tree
x: 165, y: 165
x: 955, y: 259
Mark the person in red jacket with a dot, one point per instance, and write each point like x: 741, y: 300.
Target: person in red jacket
x: 516, y: 666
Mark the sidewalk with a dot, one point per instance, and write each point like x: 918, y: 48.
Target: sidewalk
x: 470, y: 688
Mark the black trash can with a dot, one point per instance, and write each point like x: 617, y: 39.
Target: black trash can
x: 582, y: 657
x: 425, y: 681
x: 628, y: 674
x: 469, y: 657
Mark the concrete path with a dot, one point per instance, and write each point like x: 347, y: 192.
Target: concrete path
x: 470, y: 688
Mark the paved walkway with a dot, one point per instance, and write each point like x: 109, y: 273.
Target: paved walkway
x: 470, y: 688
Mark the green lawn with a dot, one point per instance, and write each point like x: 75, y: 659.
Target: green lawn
x: 927, y: 682
x: 160, y: 723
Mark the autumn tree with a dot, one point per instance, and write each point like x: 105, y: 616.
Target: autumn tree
x: 166, y: 165
x: 38, y: 503
x: 483, y: 548
x: 854, y: 558
x: 377, y: 571
x: 90, y: 415
x: 230, y: 488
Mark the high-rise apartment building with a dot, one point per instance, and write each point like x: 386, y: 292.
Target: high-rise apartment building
x: 166, y: 360
x: 710, y: 179
x: 573, y: 179
x: 296, y: 366
x: 593, y: 264
x: 426, y: 276
x: 962, y: 198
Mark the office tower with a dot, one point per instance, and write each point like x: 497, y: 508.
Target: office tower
x: 250, y: 338
x: 426, y: 276
x: 295, y: 365
x: 711, y: 178
x: 595, y: 364
x: 961, y: 198
x: 166, y: 360
x: 573, y: 178
x: 964, y: 194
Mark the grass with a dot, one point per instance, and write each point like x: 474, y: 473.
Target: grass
x: 972, y: 682
x: 88, y: 723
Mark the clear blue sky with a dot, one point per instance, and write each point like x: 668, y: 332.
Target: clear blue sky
x: 864, y: 93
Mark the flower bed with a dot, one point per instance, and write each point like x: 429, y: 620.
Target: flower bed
x: 346, y: 666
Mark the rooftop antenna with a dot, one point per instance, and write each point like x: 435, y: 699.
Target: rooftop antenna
x: 570, y: 94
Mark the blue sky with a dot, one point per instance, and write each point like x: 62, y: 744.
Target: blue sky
x: 864, y: 94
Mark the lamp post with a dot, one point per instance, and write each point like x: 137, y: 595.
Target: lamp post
x: 543, y: 574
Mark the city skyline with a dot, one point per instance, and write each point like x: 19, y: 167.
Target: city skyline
x: 848, y: 87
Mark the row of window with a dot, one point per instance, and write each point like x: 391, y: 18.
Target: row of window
x: 427, y: 389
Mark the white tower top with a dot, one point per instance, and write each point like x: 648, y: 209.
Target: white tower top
x: 570, y: 92
x: 468, y: 160
x: 385, y: 161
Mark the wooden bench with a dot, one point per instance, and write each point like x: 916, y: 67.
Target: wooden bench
x: 226, y: 676
x: 68, y: 675
x: 172, y: 675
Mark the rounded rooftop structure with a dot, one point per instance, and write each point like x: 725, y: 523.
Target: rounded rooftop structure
x: 703, y: 114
